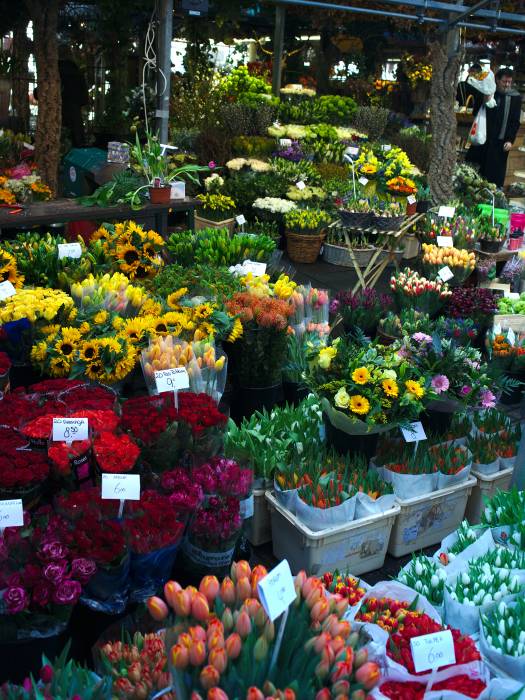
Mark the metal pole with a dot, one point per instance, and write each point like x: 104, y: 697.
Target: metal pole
x: 278, y: 45
x: 465, y: 15
x: 164, y: 68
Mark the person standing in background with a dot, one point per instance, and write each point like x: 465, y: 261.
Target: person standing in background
x: 467, y: 95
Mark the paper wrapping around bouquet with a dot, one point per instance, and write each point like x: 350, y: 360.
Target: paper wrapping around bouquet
x: 466, y: 617
x: 445, y: 481
x: 500, y: 663
x: 367, y: 506
x: 352, y: 426
x: 487, y: 469
x: 407, y: 486
x: 322, y: 518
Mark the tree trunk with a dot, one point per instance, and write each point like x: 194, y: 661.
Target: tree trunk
x: 21, y: 50
x: 44, y: 14
x: 445, y: 74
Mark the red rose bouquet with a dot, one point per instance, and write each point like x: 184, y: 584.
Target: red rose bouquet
x: 39, y: 430
x: 462, y: 683
x: 116, y: 454
x: 88, y: 502
x: 41, y: 576
x: 71, y: 461
x: 185, y: 495
x: 100, y: 420
x: 89, y: 396
x: 19, y: 408
x: 22, y: 474
x: 201, y: 425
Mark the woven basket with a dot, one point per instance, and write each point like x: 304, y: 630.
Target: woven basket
x: 339, y: 255
x: 356, y: 219
x: 304, y: 248
x: 387, y: 223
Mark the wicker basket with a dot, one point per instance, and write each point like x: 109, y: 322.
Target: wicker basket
x: 304, y: 248
x: 387, y: 223
x: 356, y: 219
x: 339, y: 255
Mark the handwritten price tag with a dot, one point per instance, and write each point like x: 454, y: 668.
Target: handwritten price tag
x: 69, y: 429
x: 363, y: 180
x: 447, y: 212
x: 446, y: 273
x: 300, y: 185
x: 256, y: 268
x: 69, y: 250
x: 276, y: 590
x: 430, y: 651
x: 6, y: 290
x: 414, y: 433
x: 241, y: 219
x: 121, y: 487
x: 445, y: 241
x: 285, y: 143
x: 11, y: 513
x: 352, y: 151
x: 173, y: 379
x: 411, y: 199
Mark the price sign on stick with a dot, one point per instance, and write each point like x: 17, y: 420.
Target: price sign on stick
x: 241, y: 219
x: 447, y: 212
x: 6, y: 290
x: 121, y: 487
x: 363, y: 181
x: 431, y: 651
x: 352, y: 151
x: 70, y: 429
x: 11, y: 513
x: 446, y: 273
x: 414, y: 433
x: 411, y: 199
x: 445, y: 241
x: 300, y: 185
x: 276, y: 590
x: 69, y: 250
x: 173, y: 379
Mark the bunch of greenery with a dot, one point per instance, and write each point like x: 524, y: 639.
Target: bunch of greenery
x: 251, y: 90
x: 253, y: 146
x: 247, y: 187
x: 215, y: 247
x: 116, y: 190
x: 199, y: 279
x: 332, y: 109
x: 306, y: 220
x: 240, y: 119
x: 294, y: 172
x: 371, y: 120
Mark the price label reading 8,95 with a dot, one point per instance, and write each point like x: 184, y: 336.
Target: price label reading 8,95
x: 173, y: 379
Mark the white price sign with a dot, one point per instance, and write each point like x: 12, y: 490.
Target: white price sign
x: 285, y: 143
x: 173, y: 379
x: 300, y: 185
x: 6, y: 290
x: 352, y: 151
x: 386, y: 147
x: 241, y: 219
x: 69, y: 250
x: 69, y: 429
x: 121, y: 487
x: 11, y: 513
x: 446, y: 273
x: 411, y: 199
x: 414, y: 433
x: 276, y: 590
x: 256, y: 268
x: 508, y: 295
x: 445, y: 241
x: 447, y: 212
x: 431, y: 651
x: 363, y: 180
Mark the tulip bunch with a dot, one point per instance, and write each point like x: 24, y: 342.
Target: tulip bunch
x: 503, y: 558
x: 454, y: 258
x: 221, y: 643
x: 450, y: 459
x: 412, y: 690
x: 504, y: 508
x: 414, y: 291
x: 481, y: 584
x: 484, y: 448
x: 326, y: 491
x: 388, y: 613
x: 504, y: 628
x: 138, y: 666
x: 425, y: 576
x: 466, y: 536
x: 343, y: 585
x: 491, y: 422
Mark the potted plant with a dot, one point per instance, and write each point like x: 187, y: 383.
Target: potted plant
x: 305, y: 234
x: 357, y: 214
x: 216, y: 212
x: 423, y: 198
x: 151, y: 161
x: 492, y: 237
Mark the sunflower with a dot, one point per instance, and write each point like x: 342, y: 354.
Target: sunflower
x: 39, y: 351
x: 160, y: 327
x: 113, y: 345
x: 84, y: 327
x: 202, y: 311
x: 102, y: 234
x: 236, y: 331
x: 173, y: 298
x: 100, y: 317
x: 118, y: 323
x: 88, y: 351
x: 359, y: 404
x: 415, y: 388
x: 128, y: 256
x: 207, y: 329
x: 134, y: 329
x: 151, y: 307
x: 361, y: 375
x: 155, y: 238
x: 95, y: 371
x: 9, y: 271
x: 59, y: 367
x: 390, y: 388
x: 142, y: 271
x: 66, y: 344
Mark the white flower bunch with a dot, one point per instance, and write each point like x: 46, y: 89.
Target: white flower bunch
x: 482, y: 584
x: 504, y: 628
x: 213, y: 183
x: 426, y: 577
x: 504, y: 508
x: 466, y: 536
x: 276, y: 205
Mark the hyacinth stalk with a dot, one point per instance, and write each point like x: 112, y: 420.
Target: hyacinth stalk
x: 220, y: 643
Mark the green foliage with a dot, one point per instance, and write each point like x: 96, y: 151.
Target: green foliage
x: 247, y: 187
x: 240, y: 84
x: 200, y: 280
x: 115, y: 191
x: 331, y: 109
x: 294, y: 172
x: 371, y: 120
x: 215, y: 247
x: 239, y: 119
x: 332, y: 171
x: 253, y: 146
x: 306, y: 219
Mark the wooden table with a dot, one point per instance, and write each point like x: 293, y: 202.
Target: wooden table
x: 63, y: 210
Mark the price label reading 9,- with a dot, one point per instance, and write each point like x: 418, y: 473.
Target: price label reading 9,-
x: 174, y: 379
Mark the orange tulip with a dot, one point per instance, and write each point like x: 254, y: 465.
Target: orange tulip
x: 328, y: 654
x: 233, y: 645
x: 289, y: 694
x: 337, y: 644
x: 320, y: 610
x: 219, y: 658
x: 315, y: 595
x: 301, y: 577
x: 157, y: 608
x: 243, y: 588
x: 216, y: 641
x: 191, y: 590
x: 209, y: 677
x: 243, y: 625
x: 185, y: 639
x: 240, y: 569
x: 341, y: 606
x: 170, y: 588
x: 368, y: 675
x: 340, y: 671
x: 200, y: 608
x: 197, y: 633
x: 227, y: 591
x: 252, y: 606
x: 180, y: 657
x: 197, y: 653
x: 259, y: 570
x: 182, y: 603
x: 216, y: 694
x: 254, y: 694
x: 209, y: 586
x: 260, y: 617
x: 309, y: 585
x: 321, y: 642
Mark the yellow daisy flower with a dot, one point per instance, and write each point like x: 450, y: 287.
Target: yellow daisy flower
x: 415, y: 388
x: 359, y: 404
x: 361, y: 375
x: 390, y: 387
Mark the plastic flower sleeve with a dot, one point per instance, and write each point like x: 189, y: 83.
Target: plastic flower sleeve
x: 322, y: 518
x: 481, y: 546
x: 366, y: 505
x: 474, y: 671
x: 149, y: 572
x: 107, y: 591
x: 501, y: 664
x: 503, y: 689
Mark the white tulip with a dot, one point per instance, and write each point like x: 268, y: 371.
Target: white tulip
x: 510, y: 644
x: 419, y: 568
x: 501, y: 626
x: 487, y: 599
x: 502, y: 607
x: 465, y: 579
x: 488, y: 514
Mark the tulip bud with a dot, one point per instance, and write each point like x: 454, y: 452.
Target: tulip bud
x: 320, y: 610
x: 252, y: 606
x: 209, y: 587
x: 342, y: 629
x: 289, y: 694
x: 209, y: 677
x: 233, y: 645
x: 197, y: 633
x: 157, y: 608
x: 197, y: 653
x: 243, y: 625
x: 216, y: 641
x: 191, y: 590
x: 269, y: 688
x: 254, y: 694
x: 227, y: 620
x: 300, y: 578
x: 200, y: 608
x: 328, y: 654
x: 180, y: 657
x: 341, y: 606
x: 322, y: 669
x: 353, y: 640
x: 182, y: 603
x: 368, y: 675
x: 227, y: 591
x: 315, y: 595
x: 358, y: 695
x: 361, y: 657
x: 340, y: 671
x: 341, y: 687
x: 260, y: 617
x: 321, y: 641
x: 195, y: 696
x: 337, y: 644
x: 259, y: 571
x: 309, y: 585
x: 243, y: 589
x: 218, y: 658
x: 323, y: 694
x: 240, y: 569
x: 170, y: 588
x: 260, y: 649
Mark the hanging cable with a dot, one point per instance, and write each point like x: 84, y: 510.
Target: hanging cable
x: 150, y: 63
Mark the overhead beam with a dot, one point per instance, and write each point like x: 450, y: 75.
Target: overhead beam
x: 457, y: 7
x: 466, y: 14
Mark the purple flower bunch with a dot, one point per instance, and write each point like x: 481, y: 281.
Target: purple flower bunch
x: 223, y: 477
x: 216, y: 522
x: 294, y: 152
x: 476, y: 303
x: 38, y: 569
x: 362, y: 309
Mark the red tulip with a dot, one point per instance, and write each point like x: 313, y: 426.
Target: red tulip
x: 341, y: 671
x: 170, y: 588
x: 215, y: 626
x: 209, y: 677
x: 260, y: 571
x: 180, y: 657
x: 218, y: 658
x: 323, y: 694
x: 321, y: 641
x: 289, y: 694
x: 216, y: 694
x: 157, y: 608
x: 227, y: 591
x: 254, y: 694
x: 368, y: 675
x: 243, y: 588
x: 197, y: 653
x: 200, y: 608
x: 233, y: 645
x: 182, y: 603
x: 209, y: 586
x: 243, y: 624
x: 185, y: 639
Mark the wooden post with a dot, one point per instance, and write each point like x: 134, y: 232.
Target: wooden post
x: 164, y: 68
x: 278, y: 46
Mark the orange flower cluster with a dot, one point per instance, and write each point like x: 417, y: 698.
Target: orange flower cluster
x: 6, y: 196
x: 502, y: 348
x: 264, y: 312
x: 402, y: 185
x: 388, y: 613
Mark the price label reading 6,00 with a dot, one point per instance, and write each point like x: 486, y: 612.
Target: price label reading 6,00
x: 432, y: 651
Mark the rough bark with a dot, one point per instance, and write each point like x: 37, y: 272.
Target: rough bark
x: 20, y: 77
x: 44, y: 14
x: 445, y: 75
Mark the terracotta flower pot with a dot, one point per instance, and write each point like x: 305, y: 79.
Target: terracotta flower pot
x: 160, y: 195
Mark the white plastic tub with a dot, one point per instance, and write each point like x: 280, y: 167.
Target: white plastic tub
x: 486, y: 487
x: 259, y: 526
x: 358, y: 546
x: 426, y: 520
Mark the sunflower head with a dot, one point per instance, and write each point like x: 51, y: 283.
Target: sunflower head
x: 88, y: 351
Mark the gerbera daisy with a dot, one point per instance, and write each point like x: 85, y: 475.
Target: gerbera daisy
x: 390, y: 387
x: 361, y: 375
x: 359, y: 404
x: 414, y: 388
